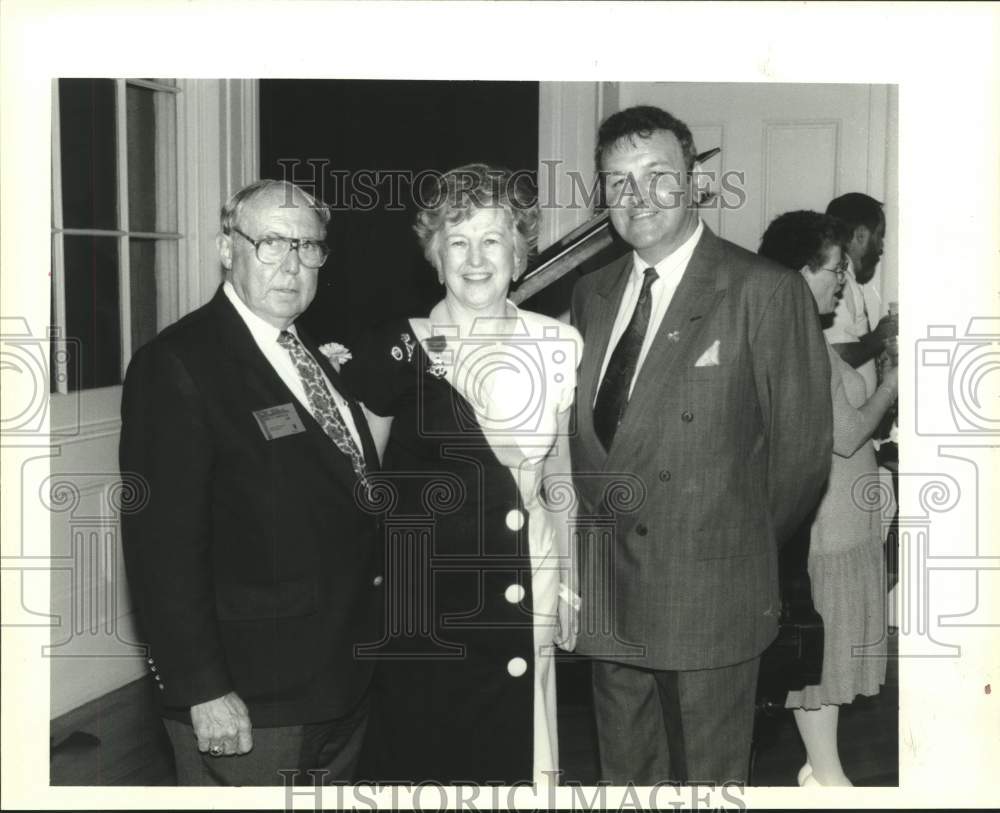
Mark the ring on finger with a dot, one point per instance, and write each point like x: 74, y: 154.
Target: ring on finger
x: 215, y: 750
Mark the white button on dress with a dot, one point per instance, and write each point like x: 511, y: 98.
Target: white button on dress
x: 517, y: 667
x: 515, y: 519
x: 514, y: 593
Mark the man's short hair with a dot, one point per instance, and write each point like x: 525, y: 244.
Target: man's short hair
x: 234, y: 206
x: 857, y: 209
x: 641, y: 122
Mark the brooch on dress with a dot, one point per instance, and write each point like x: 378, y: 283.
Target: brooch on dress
x: 408, y: 344
x: 397, y: 352
x: 435, y: 346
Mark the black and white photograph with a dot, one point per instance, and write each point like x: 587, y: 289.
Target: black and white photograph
x: 481, y: 429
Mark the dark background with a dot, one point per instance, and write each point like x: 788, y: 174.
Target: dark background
x: 376, y: 270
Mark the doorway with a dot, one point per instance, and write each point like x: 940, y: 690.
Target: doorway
x: 358, y: 144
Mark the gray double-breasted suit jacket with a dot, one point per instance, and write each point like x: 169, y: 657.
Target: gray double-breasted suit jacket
x: 713, y: 466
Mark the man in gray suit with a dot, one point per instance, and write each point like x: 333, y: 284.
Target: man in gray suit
x: 704, y: 388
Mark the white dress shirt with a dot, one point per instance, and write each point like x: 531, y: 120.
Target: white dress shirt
x: 266, y: 337
x: 670, y: 271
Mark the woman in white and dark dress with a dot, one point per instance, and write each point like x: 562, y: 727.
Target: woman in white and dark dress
x: 846, y: 556
x: 474, y: 400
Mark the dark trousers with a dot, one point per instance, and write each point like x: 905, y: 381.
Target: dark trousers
x: 332, y: 746
x: 674, y: 726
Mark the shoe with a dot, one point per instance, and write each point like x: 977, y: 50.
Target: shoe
x: 810, y: 781
x: 805, y: 772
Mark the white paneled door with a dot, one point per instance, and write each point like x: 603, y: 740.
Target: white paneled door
x: 787, y: 146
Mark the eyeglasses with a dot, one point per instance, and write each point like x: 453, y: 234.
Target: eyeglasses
x: 272, y: 250
x: 840, y: 270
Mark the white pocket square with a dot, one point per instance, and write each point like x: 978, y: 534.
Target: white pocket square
x: 710, y: 358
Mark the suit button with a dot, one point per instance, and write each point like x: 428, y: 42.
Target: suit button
x: 149, y: 660
x: 517, y: 667
x: 514, y: 593
x: 377, y: 581
x: 153, y: 669
x: 664, y: 475
x: 514, y: 519
x: 161, y: 687
x: 686, y: 416
x: 641, y: 529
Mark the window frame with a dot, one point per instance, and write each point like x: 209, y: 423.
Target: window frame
x: 168, y: 154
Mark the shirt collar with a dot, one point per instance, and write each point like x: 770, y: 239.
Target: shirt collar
x: 672, y: 262
x: 263, y: 331
x: 850, y: 268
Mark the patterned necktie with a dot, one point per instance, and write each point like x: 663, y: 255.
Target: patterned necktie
x: 323, y: 407
x: 612, y: 397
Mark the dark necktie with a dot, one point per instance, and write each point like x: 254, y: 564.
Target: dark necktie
x: 323, y: 406
x: 612, y: 397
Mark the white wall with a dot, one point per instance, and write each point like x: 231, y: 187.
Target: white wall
x: 76, y: 480
x: 798, y: 145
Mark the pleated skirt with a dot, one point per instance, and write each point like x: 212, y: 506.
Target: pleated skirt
x: 849, y: 591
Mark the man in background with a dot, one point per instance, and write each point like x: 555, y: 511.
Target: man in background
x: 851, y: 332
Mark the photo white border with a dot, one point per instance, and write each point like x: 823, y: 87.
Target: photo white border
x: 942, y: 55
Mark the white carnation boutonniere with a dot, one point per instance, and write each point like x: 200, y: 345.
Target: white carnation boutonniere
x: 336, y: 354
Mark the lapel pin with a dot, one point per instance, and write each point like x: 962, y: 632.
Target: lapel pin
x: 674, y: 336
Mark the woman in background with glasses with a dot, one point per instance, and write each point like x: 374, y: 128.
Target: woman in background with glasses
x: 846, y: 556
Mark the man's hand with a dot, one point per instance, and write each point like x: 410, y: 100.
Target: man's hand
x: 222, y: 726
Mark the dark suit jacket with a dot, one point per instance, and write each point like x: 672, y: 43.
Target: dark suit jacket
x: 250, y: 563
x: 719, y: 463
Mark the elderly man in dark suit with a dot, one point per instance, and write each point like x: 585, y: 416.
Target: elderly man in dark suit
x: 253, y: 563
x: 703, y: 388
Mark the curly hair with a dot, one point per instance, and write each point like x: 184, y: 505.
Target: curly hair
x: 802, y: 238
x: 461, y: 192
x: 231, y: 210
x: 641, y: 122
x: 857, y: 209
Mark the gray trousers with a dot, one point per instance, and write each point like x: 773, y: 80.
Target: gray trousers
x: 690, y: 726
x: 331, y: 747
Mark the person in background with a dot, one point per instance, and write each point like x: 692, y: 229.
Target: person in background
x: 471, y: 402
x: 846, y: 556
x: 850, y: 332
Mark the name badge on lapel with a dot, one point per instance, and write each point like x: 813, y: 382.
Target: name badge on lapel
x: 279, y: 421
